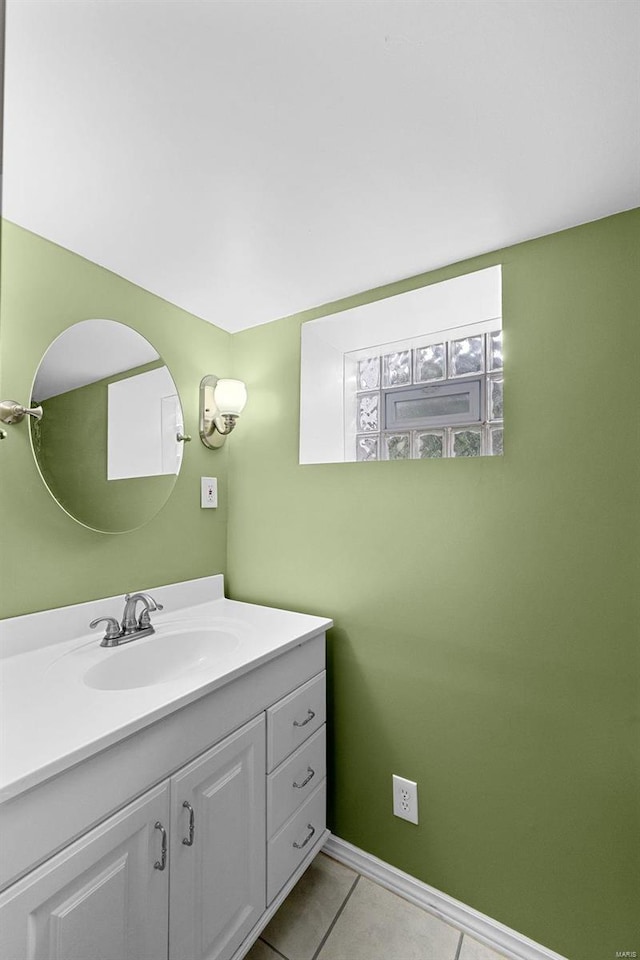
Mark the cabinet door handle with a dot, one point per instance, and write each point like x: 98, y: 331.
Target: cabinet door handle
x: 303, y: 723
x: 162, y: 862
x: 188, y: 841
x: 299, y: 786
x: 299, y: 846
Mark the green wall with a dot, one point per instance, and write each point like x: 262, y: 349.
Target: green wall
x: 47, y: 559
x: 486, y: 610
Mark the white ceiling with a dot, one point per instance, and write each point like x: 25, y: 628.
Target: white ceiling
x: 87, y: 352
x: 248, y: 160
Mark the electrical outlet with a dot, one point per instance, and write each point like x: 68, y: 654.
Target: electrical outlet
x: 405, y: 799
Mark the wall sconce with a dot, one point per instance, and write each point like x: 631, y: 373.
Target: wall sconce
x: 221, y: 403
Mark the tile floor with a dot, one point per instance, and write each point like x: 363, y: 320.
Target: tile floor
x: 334, y: 913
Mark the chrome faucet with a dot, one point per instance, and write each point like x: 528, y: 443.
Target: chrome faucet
x: 129, y: 622
x: 132, y: 626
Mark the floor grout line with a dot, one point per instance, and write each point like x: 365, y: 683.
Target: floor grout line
x: 275, y: 949
x: 336, y: 918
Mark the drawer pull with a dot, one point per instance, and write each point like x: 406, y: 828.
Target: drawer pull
x: 299, y: 846
x: 310, y: 716
x: 311, y: 773
x: 162, y: 862
x: 188, y: 841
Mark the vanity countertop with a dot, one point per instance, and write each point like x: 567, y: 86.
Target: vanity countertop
x: 51, y: 719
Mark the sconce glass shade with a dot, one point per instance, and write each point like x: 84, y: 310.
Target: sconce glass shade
x: 221, y: 403
x: 230, y: 397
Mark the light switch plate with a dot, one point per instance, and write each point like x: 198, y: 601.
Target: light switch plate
x: 208, y: 492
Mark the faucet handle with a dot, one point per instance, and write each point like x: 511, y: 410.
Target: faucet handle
x: 112, y: 631
x: 144, y: 620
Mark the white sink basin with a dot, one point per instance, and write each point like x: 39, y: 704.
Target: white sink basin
x: 160, y: 658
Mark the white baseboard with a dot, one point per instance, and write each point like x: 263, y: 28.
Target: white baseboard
x: 512, y: 945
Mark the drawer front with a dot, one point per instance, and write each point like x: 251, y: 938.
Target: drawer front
x: 295, y: 780
x: 293, y: 719
x: 289, y: 847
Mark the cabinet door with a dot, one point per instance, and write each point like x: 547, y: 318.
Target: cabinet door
x: 218, y: 875
x: 98, y: 899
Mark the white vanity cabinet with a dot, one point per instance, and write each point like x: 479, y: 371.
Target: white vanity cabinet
x: 193, y: 868
x: 99, y: 899
x: 218, y: 847
x: 106, y: 897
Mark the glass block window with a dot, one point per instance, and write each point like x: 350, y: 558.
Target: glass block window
x: 466, y: 442
x: 396, y: 369
x: 494, y: 350
x: 397, y: 446
x: 369, y: 412
x: 432, y: 401
x: 369, y: 374
x: 496, y: 446
x: 428, y: 445
x: 496, y: 407
x: 367, y: 448
x: 466, y: 356
x: 430, y: 363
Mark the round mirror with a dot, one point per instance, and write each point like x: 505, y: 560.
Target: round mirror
x: 107, y: 446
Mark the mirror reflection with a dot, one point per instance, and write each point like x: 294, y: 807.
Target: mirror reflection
x: 107, y: 446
